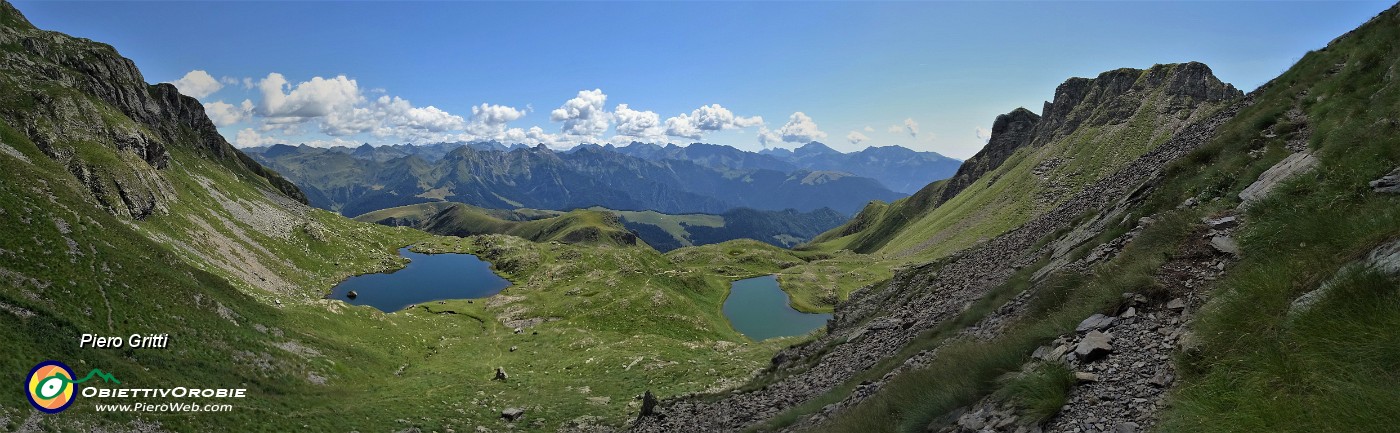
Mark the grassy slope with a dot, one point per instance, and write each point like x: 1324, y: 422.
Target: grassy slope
x: 1258, y: 369
x: 624, y: 319
x: 235, y: 274
x: 914, y: 230
x: 1333, y: 368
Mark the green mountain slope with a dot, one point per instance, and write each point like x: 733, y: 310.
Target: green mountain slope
x: 126, y: 213
x: 664, y: 232
x: 1130, y: 306
x: 1033, y: 163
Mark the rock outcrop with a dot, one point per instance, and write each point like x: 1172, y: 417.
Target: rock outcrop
x: 84, y: 105
x: 1010, y: 131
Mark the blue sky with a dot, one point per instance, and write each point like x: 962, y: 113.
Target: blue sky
x: 922, y: 75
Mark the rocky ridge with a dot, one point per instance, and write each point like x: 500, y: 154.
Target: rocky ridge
x: 60, y: 91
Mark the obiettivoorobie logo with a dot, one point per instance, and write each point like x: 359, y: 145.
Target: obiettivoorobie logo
x: 51, y: 386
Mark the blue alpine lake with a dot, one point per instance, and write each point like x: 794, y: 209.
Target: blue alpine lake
x: 427, y: 277
x: 758, y: 308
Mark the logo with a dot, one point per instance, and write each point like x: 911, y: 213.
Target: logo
x: 51, y: 386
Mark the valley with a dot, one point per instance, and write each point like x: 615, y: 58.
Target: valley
x: 1154, y: 250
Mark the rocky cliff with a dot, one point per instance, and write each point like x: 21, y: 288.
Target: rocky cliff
x: 1010, y: 131
x: 85, y: 105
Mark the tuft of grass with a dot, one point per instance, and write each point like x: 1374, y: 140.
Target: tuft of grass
x: 1041, y: 392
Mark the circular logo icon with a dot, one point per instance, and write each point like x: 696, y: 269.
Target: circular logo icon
x: 50, y: 387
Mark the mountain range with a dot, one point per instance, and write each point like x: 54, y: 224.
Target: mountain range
x: 709, y: 179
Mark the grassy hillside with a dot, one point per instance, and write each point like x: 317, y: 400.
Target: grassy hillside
x: 137, y: 220
x: 663, y: 232
x: 1254, y: 361
x: 1085, y: 135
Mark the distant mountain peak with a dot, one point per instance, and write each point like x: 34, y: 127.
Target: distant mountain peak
x: 813, y: 148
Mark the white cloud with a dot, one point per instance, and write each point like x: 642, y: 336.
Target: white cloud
x: 225, y: 114
x: 228, y: 81
x: 683, y: 126
x: 707, y: 118
x: 637, y: 125
x: 911, y: 127
x: 983, y: 134
x: 800, y: 129
x: 250, y: 138
x: 316, y: 98
x: 869, y: 129
x: 767, y: 137
x: 489, y: 121
x: 584, y: 114
x: 856, y: 137
x: 536, y: 135
x: 197, y: 84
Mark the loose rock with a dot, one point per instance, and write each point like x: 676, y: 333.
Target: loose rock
x: 1225, y: 244
x: 1097, y: 322
x: 1093, y: 346
x: 1389, y: 183
x: 513, y: 414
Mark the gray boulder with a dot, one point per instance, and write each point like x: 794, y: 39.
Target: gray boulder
x: 513, y: 414
x: 1389, y: 183
x: 1225, y: 244
x: 1093, y: 346
x: 1097, y: 322
x: 1287, y: 168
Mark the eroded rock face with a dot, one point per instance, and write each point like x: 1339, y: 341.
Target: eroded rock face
x: 82, y: 103
x: 1010, y: 131
x: 1115, y: 96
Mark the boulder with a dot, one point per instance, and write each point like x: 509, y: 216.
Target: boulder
x: 1287, y: 168
x: 1176, y: 304
x: 1222, y: 222
x: 352, y: 295
x: 1389, y: 183
x: 501, y: 374
x: 1225, y: 244
x: 1084, y: 376
x: 1096, y: 322
x: 513, y: 414
x: 1093, y: 346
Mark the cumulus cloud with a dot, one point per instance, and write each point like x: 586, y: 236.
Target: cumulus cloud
x: 869, y: 129
x: 707, y: 118
x: 983, y: 134
x: 247, y: 137
x: 800, y: 129
x: 225, y: 114
x: 536, y: 135
x: 318, y: 97
x: 856, y: 137
x: 638, y: 125
x: 911, y: 127
x: 197, y: 84
x: 683, y: 126
x: 490, y: 120
x: 767, y: 137
x: 584, y: 114
x: 392, y: 117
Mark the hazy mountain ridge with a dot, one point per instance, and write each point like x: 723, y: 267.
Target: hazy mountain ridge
x: 544, y: 179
